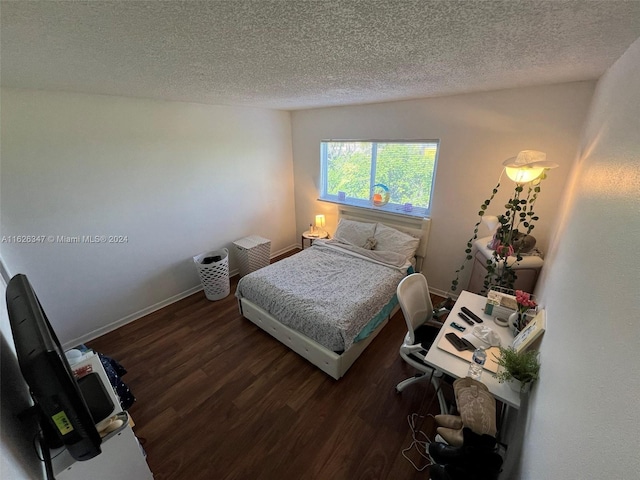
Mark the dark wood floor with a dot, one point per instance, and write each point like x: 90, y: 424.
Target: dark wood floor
x: 217, y: 398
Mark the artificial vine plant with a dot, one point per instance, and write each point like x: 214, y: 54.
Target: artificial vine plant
x: 519, y: 215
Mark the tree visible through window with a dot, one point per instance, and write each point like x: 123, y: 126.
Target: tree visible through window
x: 351, y: 169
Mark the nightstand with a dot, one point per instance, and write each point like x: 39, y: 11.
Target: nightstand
x: 527, y: 270
x: 311, y: 236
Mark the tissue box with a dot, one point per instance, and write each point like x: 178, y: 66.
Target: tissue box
x: 500, y: 304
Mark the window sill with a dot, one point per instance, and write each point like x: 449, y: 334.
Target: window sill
x: 393, y: 209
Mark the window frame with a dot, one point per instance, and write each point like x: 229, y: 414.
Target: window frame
x: 393, y: 208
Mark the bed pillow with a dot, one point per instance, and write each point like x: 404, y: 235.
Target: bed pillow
x: 355, y: 233
x: 390, y: 239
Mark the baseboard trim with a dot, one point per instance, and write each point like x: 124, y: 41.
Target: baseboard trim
x: 152, y: 308
x: 443, y: 293
x: 130, y: 318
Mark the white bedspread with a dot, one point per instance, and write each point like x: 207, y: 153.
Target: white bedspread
x: 328, y: 292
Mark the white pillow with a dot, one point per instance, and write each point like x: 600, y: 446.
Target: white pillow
x: 355, y: 233
x: 393, y: 240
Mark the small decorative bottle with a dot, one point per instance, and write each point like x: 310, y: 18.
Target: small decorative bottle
x: 477, y: 362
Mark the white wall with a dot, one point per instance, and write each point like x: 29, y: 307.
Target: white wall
x: 477, y: 132
x: 582, y: 421
x: 177, y: 179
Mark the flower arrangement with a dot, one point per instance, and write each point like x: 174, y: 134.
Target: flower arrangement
x: 525, y: 303
x: 504, y: 250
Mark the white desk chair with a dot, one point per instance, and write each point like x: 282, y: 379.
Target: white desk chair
x: 422, y: 329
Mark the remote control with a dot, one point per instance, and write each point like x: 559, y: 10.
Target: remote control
x: 471, y: 314
x: 465, y: 318
x: 456, y: 341
x: 460, y: 344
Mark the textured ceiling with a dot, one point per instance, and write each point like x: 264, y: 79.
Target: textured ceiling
x: 293, y: 54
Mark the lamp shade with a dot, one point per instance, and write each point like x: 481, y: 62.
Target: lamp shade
x: 527, y: 166
x: 320, y: 222
x: 523, y: 174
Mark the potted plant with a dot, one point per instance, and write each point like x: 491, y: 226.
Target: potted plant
x: 515, y: 225
x: 520, y: 369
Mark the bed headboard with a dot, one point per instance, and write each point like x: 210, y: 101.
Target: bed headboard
x: 415, y: 226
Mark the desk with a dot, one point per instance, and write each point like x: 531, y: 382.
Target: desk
x: 457, y: 367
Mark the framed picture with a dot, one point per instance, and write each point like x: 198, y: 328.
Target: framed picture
x: 531, y: 332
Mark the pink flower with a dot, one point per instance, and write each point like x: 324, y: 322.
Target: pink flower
x: 524, y: 301
x: 504, y: 250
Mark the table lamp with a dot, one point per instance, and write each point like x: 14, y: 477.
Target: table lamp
x: 320, y: 223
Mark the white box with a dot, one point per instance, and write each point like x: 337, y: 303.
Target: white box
x: 253, y: 252
x: 500, y: 304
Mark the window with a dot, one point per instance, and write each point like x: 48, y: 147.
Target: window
x: 395, y: 176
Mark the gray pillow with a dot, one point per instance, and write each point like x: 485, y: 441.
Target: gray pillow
x: 354, y: 233
x: 390, y: 239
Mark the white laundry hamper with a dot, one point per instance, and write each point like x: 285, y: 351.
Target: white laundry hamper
x: 213, y: 268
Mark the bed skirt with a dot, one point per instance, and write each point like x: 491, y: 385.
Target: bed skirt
x: 333, y: 364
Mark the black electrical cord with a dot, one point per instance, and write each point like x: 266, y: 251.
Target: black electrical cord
x: 46, y: 457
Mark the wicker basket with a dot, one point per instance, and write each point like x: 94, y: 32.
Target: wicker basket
x: 213, y: 268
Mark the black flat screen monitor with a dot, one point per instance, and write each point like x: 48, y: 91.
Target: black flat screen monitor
x: 45, y: 369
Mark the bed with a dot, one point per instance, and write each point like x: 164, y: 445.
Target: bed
x: 328, y: 302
